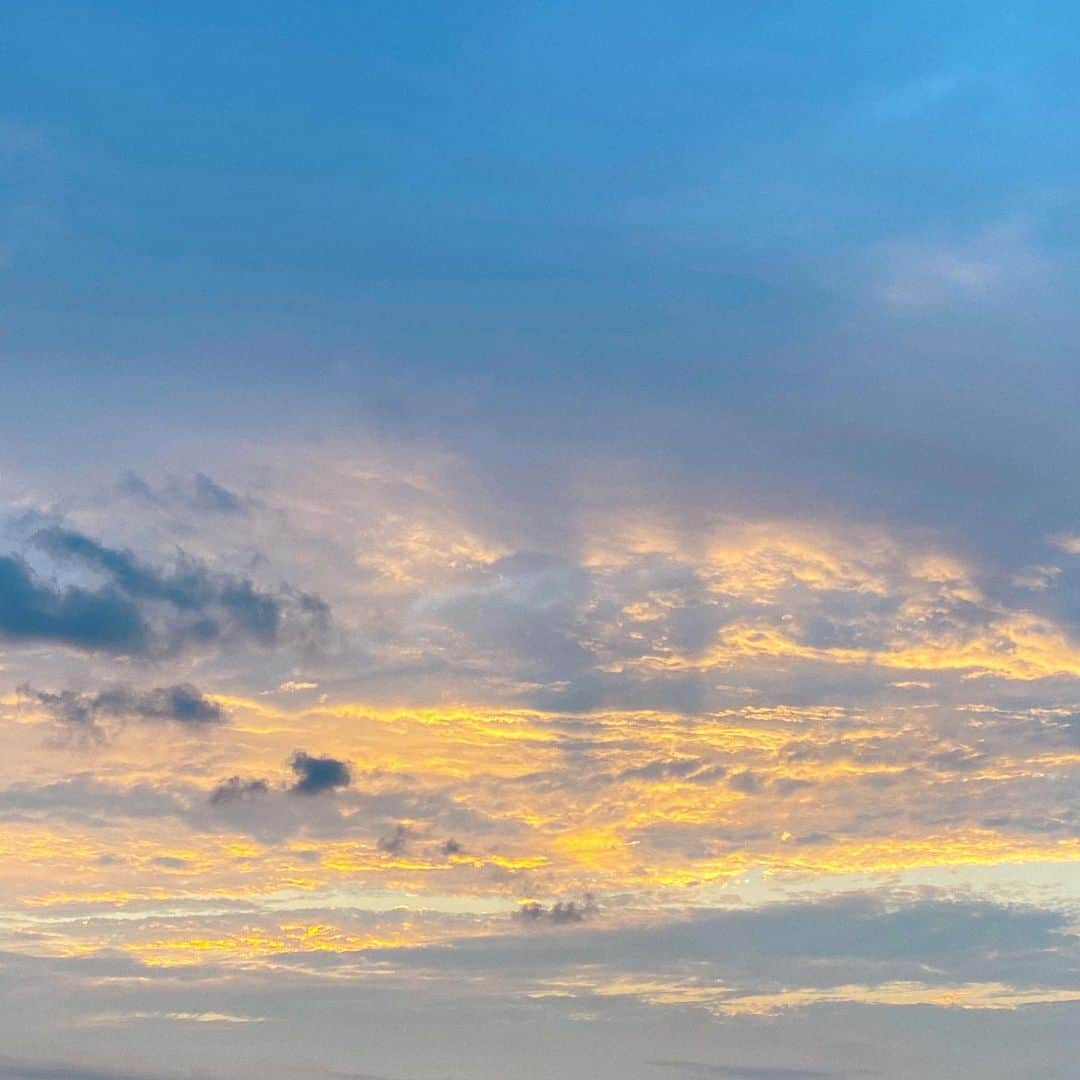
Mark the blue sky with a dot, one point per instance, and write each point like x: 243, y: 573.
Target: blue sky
x: 538, y: 540
x: 852, y: 226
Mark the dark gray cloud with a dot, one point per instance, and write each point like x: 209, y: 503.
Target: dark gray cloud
x: 182, y: 703
x: 189, y: 588
x: 97, y: 620
x: 141, y: 609
x: 560, y: 913
x: 452, y: 847
x: 236, y: 789
x: 316, y: 775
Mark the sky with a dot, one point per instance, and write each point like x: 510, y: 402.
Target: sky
x: 539, y: 540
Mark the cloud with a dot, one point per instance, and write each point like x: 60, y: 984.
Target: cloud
x: 187, y: 588
x: 451, y: 847
x: 182, y: 704
x: 142, y: 609
x: 395, y: 842
x: 86, y: 800
x: 522, y: 609
x: 97, y: 620
x: 560, y: 913
x: 237, y: 790
x: 209, y: 495
x: 171, y: 862
x: 667, y: 768
x: 316, y: 775
x: 199, y: 493
x: 834, y: 942
x: 108, y: 1019
x: 745, y: 782
x: 1067, y: 542
x: 1036, y: 577
x: 927, y: 274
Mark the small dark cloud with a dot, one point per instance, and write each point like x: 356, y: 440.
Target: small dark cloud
x: 395, y: 842
x: 560, y: 913
x: 182, y: 704
x: 237, y: 790
x: 452, y: 847
x: 569, y: 911
x: 317, y: 774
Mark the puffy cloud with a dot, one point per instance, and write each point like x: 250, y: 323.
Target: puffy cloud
x: 189, y: 588
x: 316, y: 775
